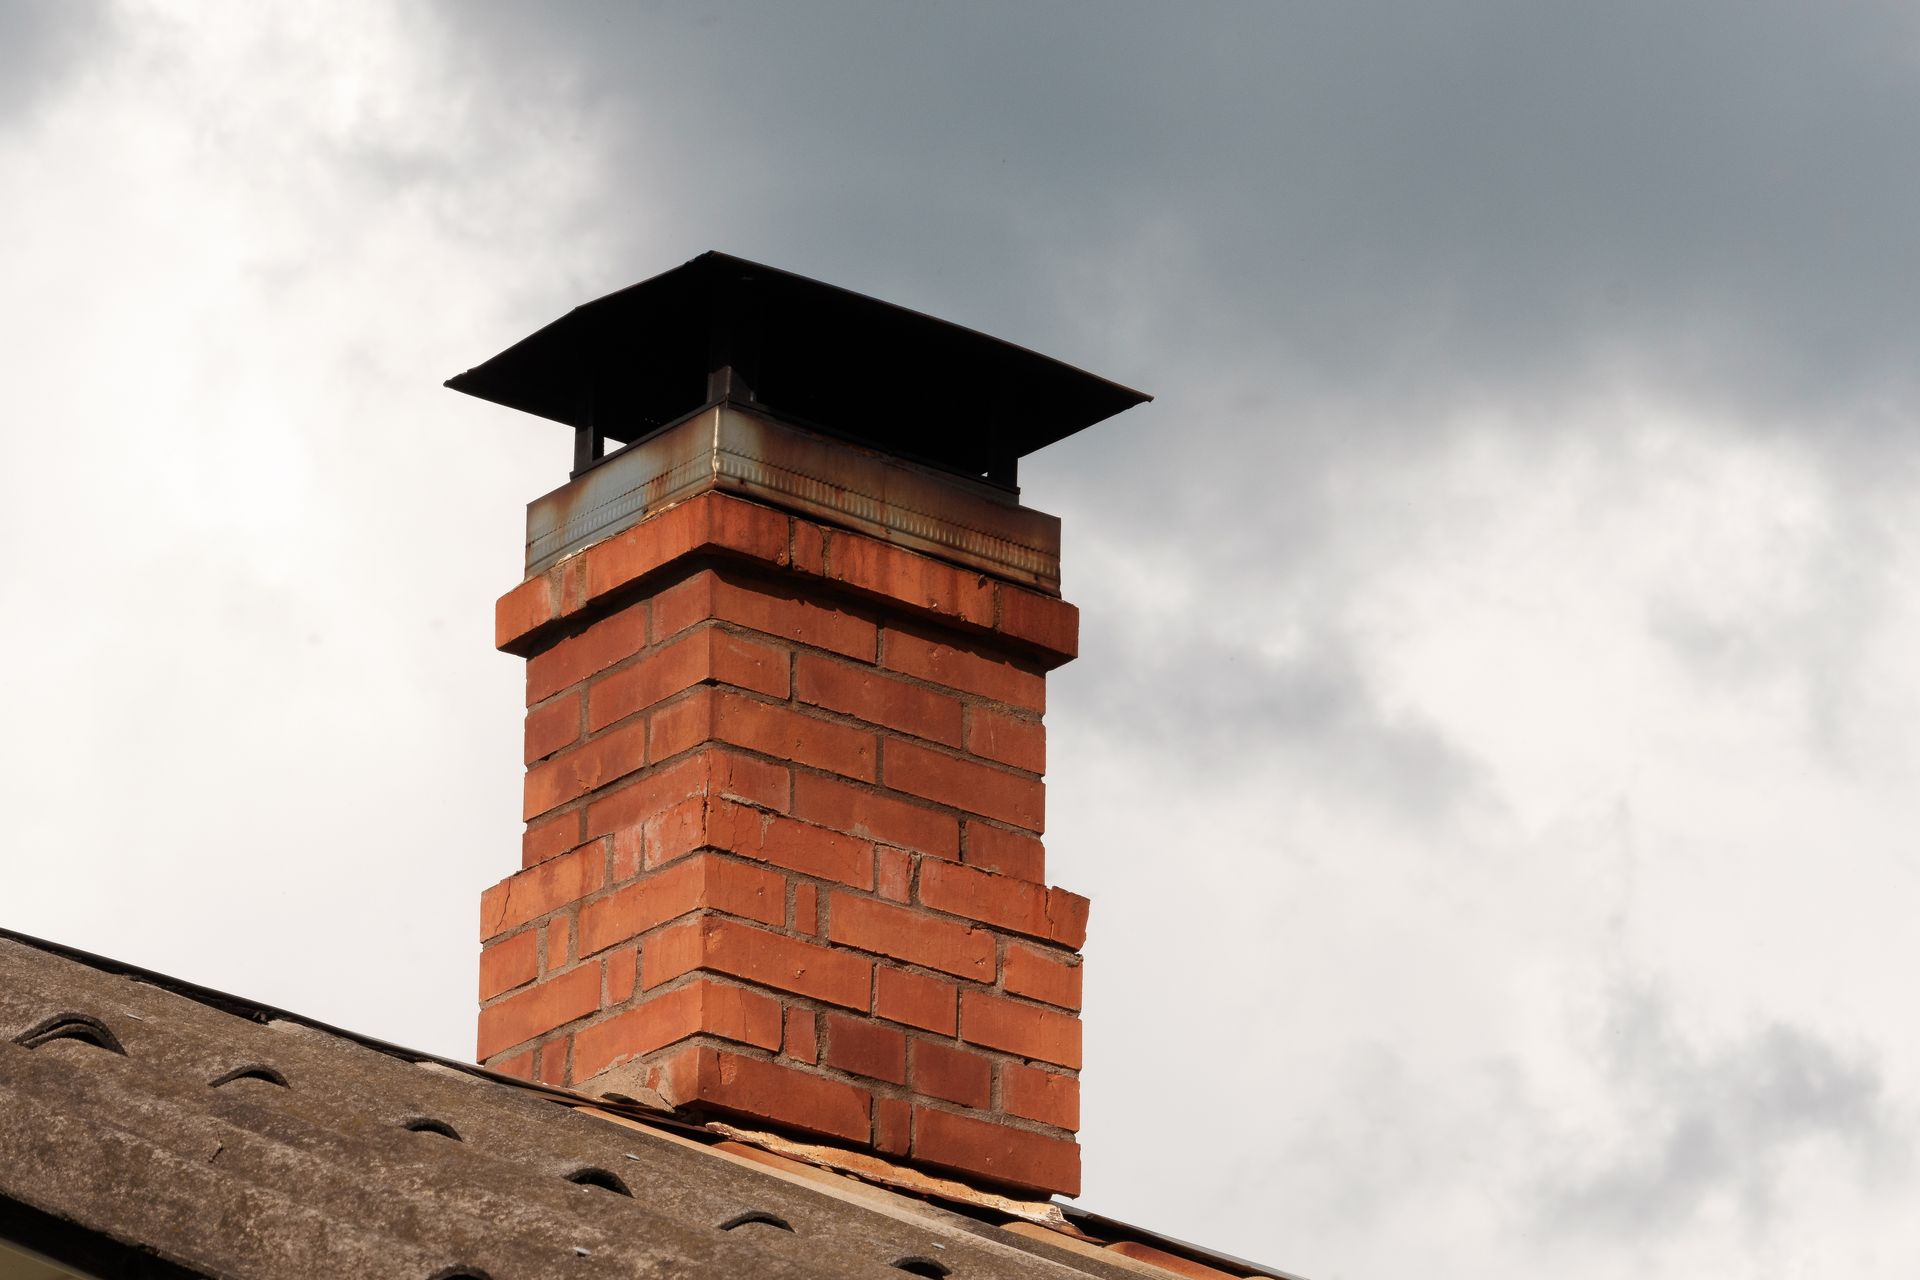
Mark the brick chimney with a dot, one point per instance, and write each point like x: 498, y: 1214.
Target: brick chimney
x: 786, y: 665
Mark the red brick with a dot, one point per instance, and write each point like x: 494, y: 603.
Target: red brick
x: 1024, y: 1029
x: 553, y: 942
x: 916, y: 999
x: 714, y: 1078
x: 865, y: 1048
x: 1008, y: 739
x: 520, y: 1065
x: 522, y: 611
x: 1018, y: 905
x: 709, y: 522
x: 538, y: 1009
x: 509, y: 963
x: 817, y: 851
x: 887, y: 819
x: 675, y: 950
x: 949, y: 1072
x: 803, y: 1041
x: 765, y: 607
x: 658, y: 540
x: 1041, y: 975
x: 550, y: 1062
x: 706, y: 773
x: 877, y: 698
x: 892, y: 1126
x: 748, y: 664
x: 941, y: 661
x: 1046, y: 622
x: 623, y: 974
x: 702, y: 1007
x: 790, y: 964
x: 809, y: 552
x: 704, y: 822
x: 734, y: 828
x: 737, y: 777
x: 549, y: 838
x: 786, y: 734
x: 655, y: 676
x: 867, y: 564
x: 978, y: 788
x: 612, y: 639
x: 806, y: 908
x: 680, y: 725
x: 629, y: 854
x: 1068, y: 914
x: 893, y: 874
x: 682, y: 605
x: 551, y: 726
x: 747, y: 528
x: 914, y: 936
x: 532, y: 893
x: 737, y: 828
x: 572, y: 576
x: 779, y: 610
x: 707, y: 881
x: 996, y: 1152
x: 587, y: 767
x: 1040, y: 1095
x: 673, y: 832
x: 1011, y: 853
x: 706, y: 653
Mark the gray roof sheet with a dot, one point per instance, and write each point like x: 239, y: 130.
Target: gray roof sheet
x: 346, y: 1167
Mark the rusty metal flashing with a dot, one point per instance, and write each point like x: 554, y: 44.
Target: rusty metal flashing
x: 752, y: 453
x: 895, y: 1177
x: 1095, y: 1226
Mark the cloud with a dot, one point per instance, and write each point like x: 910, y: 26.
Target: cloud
x: 42, y: 42
x: 1528, y: 481
x: 1235, y: 711
x: 1704, y: 1121
x: 1401, y: 206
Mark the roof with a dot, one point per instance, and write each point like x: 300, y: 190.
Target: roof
x: 851, y: 366
x: 151, y: 1127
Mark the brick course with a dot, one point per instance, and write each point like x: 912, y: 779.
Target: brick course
x: 999, y: 1152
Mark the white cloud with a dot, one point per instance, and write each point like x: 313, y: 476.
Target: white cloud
x: 1492, y: 754
x: 254, y: 542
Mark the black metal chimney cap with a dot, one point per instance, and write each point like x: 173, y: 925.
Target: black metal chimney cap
x: 721, y: 328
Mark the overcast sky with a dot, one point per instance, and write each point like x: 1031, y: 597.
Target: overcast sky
x: 1493, y: 758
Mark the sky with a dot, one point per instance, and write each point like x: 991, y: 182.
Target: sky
x: 1492, y: 757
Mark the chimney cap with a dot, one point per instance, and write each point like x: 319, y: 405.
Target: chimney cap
x: 721, y: 328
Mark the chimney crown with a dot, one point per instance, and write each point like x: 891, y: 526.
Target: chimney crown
x: 720, y: 328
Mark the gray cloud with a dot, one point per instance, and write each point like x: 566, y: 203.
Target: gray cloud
x: 1322, y: 234
x: 1718, y: 1120
x: 1327, y: 235
x: 1829, y: 602
x: 1233, y: 711
x: 1357, y: 196
x: 41, y: 42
